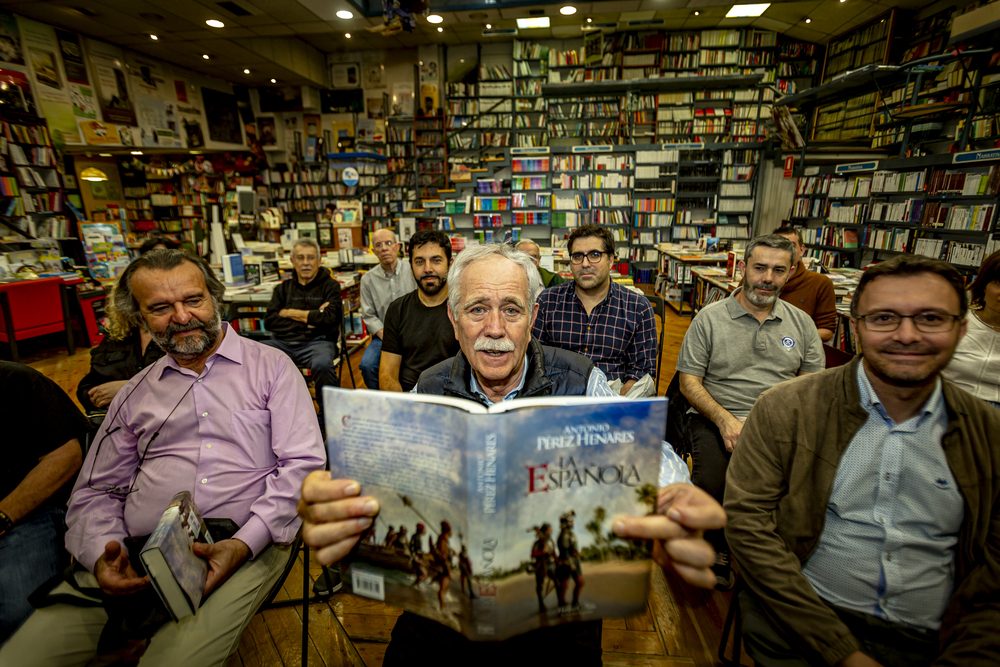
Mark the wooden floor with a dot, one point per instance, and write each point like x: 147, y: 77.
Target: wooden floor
x: 681, y: 625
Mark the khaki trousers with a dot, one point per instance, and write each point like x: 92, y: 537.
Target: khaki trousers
x: 64, y: 635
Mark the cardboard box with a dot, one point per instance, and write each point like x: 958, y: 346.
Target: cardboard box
x: 978, y: 21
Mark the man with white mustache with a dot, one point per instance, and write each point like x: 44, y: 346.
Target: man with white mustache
x: 734, y: 350
x: 492, y: 305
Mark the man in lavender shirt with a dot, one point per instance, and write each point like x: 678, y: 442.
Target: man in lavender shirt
x: 232, y: 423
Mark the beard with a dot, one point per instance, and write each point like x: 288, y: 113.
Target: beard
x: 189, y: 348
x: 433, y: 288
x: 749, y: 291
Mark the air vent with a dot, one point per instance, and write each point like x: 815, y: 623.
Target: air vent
x: 636, y: 24
x: 500, y: 32
x: 151, y: 16
x: 536, y: 12
x: 233, y: 9
x: 601, y: 25
x: 478, y: 16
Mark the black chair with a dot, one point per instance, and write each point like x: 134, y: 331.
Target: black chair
x: 734, y: 625
x: 659, y: 308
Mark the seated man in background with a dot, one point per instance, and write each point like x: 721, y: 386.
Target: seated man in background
x: 810, y: 291
x: 596, y: 317
x: 417, y: 331
x: 548, y: 278
x: 124, y: 351
x: 220, y: 416
x: 43, y: 430
x: 380, y: 286
x: 864, y: 501
x: 492, y: 305
x: 305, y: 316
x: 975, y: 366
x: 735, y: 349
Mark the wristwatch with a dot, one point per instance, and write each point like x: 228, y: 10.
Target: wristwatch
x: 5, y: 523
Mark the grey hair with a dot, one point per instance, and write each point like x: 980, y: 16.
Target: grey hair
x: 309, y: 241
x: 478, y: 252
x: 160, y: 260
x: 771, y: 241
x: 518, y: 245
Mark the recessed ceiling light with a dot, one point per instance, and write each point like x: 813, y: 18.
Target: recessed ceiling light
x: 215, y: 23
x: 809, y: 20
x: 153, y: 37
x: 440, y: 29
x: 697, y: 13
x: 738, y: 11
x: 461, y: 60
x: 274, y: 81
x: 434, y: 18
x: 195, y: 152
x: 205, y: 56
x: 590, y: 20
x: 488, y: 26
x: 568, y: 10
x: 105, y: 155
x: 246, y: 71
x: 136, y: 152
x: 533, y: 22
x: 344, y: 14
x: 347, y: 35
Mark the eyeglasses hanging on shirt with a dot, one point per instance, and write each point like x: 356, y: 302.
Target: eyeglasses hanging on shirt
x: 113, y: 489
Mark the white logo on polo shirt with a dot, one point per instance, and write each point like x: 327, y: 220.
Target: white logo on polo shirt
x: 788, y: 342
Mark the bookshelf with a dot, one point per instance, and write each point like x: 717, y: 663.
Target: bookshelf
x: 31, y: 194
x: 531, y: 62
x: 432, y: 155
x: 401, y: 192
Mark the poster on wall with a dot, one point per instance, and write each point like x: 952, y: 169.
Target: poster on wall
x: 428, y: 98
x: 402, y: 99
x: 345, y: 75
x: 10, y: 40
x: 593, y: 47
x: 181, y: 90
x: 157, y: 122
x: 112, y: 88
x: 342, y: 101
x: 374, y: 72
x: 146, y: 76
x: 194, y: 134
x: 222, y: 116
x: 97, y: 133
x: 265, y: 125
x: 41, y: 49
x: 72, y: 55
x: 375, y: 108
x: 311, y: 122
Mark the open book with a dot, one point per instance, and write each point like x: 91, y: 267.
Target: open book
x: 496, y: 522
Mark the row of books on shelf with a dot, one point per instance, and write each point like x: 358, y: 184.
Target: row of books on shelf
x: 37, y: 156
x: 608, y: 181
x: 42, y: 202
x: 31, y: 177
x: 27, y: 134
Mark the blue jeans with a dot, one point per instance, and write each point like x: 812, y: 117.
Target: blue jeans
x: 318, y: 356
x: 369, y: 362
x: 30, y: 554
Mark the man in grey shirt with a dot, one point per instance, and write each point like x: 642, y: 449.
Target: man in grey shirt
x: 381, y: 286
x: 734, y: 350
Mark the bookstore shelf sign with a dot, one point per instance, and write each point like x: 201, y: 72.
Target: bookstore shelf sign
x: 977, y: 156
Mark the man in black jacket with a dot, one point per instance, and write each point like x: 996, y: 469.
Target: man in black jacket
x: 304, y: 316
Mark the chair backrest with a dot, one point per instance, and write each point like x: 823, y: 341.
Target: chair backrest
x: 658, y: 305
x: 659, y: 308
x: 836, y: 357
x: 35, y: 305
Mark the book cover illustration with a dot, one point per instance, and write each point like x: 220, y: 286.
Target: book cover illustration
x: 497, y: 524
x: 177, y: 574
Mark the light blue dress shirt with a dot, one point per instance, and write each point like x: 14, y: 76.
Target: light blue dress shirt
x: 893, y: 519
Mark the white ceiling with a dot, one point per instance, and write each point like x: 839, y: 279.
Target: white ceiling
x: 184, y: 36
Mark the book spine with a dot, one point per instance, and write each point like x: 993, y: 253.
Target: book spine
x: 487, y: 520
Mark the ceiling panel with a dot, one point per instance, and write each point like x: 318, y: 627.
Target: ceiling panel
x: 806, y: 34
x: 283, y: 11
x: 771, y: 24
x: 272, y: 30
x: 134, y: 8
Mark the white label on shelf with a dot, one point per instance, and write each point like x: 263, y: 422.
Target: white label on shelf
x: 593, y: 149
x: 532, y: 150
x: 697, y: 145
x: 857, y: 166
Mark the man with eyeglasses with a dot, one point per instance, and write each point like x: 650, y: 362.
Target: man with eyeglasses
x: 220, y: 416
x: 380, y: 286
x: 864, y: 501
x: 595, y: 316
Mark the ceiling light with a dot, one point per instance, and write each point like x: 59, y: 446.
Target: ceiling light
x: 738, y: 11
x: 462, y: 60
x: 344, y: 14
x: 488, y: 26
x: 205, y: 56
x: 214, y: 23
x: 809, y: 20
x: 274, y: 81
x: 347, y: 35
x: 697, y: 13
x: 434, y: 18
x: 195, y: 152
x: 136, y: 152
x: 440, y: 29
x: 153, y: 37
x: 246, y: 71
x: 105, y: 155
x: 93, y: 174
x: 568, y: 10
x: 590, y: 20
x: 533, y: 22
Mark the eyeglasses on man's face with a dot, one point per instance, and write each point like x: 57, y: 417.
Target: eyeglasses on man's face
x: 384, y: 244
x: 929, y: 322
x: 594, y: 256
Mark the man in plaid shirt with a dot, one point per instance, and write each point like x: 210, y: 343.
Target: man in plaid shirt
x: 596, y: 317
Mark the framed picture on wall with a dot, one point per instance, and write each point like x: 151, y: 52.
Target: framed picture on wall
x: 223, y: 117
